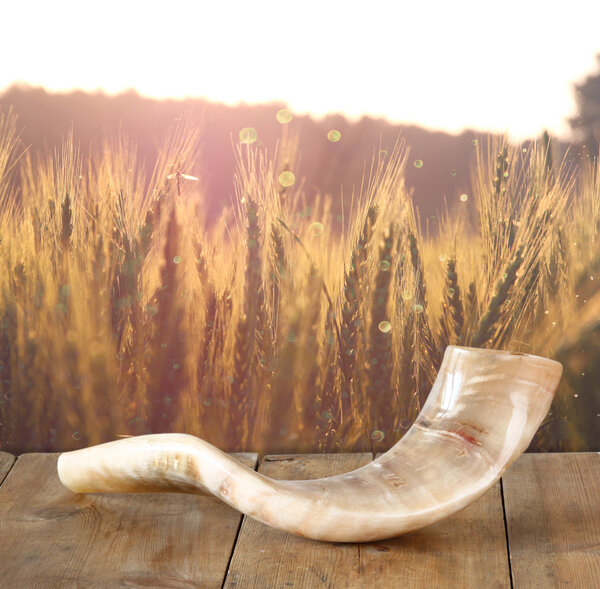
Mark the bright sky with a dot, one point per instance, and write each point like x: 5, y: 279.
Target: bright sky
x: 502, y: 66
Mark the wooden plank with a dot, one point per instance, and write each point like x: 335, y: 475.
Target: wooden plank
x: 468, y: 549
x: 6, y: 462
x: 50, y: 537
x: 265, y: 557
x: 552, y: 504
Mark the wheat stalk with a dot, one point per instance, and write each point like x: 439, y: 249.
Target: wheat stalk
x: 380, y: 359
x: 489, y: 321
x: 242, y: 407
x: 167, y: 345
x: 454, y: 317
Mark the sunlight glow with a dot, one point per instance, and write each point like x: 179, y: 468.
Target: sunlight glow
x: 464, y: 64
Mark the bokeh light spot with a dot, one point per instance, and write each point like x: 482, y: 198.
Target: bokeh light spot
x: 464, y: 197
x: 248, y: 135
x: 334, y: 135
x: 384, y: 265
x: 287, y: 179
x: 418, y: 163
x: 377, y: 435
x: 284, y: 116
x: 316, y: 228
x: 384, y: 326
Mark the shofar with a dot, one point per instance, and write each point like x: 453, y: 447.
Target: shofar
x: 482, y: 412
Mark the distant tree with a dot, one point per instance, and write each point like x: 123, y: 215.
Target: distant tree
x: 586, y: 124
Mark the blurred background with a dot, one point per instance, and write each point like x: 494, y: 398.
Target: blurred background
x: 345, y: 79
x: 434, y: 73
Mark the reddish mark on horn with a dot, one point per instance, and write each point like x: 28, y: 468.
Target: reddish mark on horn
x: 465, y: 436
x: 224, y: 489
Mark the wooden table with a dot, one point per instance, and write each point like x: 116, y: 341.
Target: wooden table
x: 538, y: 527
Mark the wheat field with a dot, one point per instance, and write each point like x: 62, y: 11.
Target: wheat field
x: 121, y: 313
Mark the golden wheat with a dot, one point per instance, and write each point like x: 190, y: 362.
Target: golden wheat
x: 122, y: 313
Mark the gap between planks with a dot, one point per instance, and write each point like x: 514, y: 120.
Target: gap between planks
x: 466, y: 550
x: 545, y: 517
x: 6, y: 463
x: 56, y: 538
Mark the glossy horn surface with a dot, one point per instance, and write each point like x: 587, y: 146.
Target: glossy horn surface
x: 482, y: 412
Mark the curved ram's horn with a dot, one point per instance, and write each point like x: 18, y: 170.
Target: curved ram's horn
x: 483, y: 410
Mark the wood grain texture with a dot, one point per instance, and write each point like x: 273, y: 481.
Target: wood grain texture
x: 50, y: 537
x: 265, y: 557
x: 552, y: 504
x: 466, y: 550
x: 56, y: 538
x: 6, y: 463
